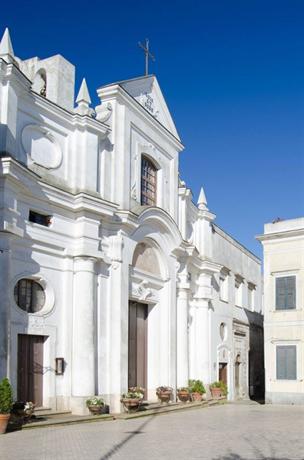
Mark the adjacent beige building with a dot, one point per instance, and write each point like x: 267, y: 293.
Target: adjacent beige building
x: 283, y: 243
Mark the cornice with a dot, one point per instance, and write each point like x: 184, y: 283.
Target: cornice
x: 78, y: 202
x: 73, y: 119
x: 280, y: 235
x: 235, y: 243
x: 10, y: 71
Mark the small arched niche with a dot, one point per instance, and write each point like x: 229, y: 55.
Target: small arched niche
x: 145, y: 258
x: 39, y: 82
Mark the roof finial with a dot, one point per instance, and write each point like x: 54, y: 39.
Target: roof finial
x: 148, y: 55
x: 6, y: 47
x: 202, y: 200
x: 83, y: 100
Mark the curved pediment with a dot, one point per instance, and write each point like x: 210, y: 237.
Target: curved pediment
x: 159, y: 222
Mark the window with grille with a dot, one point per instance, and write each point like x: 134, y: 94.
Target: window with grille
x: 286, y: 362
x: 29, y: 295
x: 148, y: 182
x: 286, y: 293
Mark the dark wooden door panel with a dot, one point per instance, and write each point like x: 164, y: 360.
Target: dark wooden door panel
x: 132, y: 355
x: 137, y: 354
x: 141, y: 344
x: 22, y: 368
x: 30, y: 368
x: 223, y: 372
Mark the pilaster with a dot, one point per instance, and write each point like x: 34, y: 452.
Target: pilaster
x: 5, y: 257
x: 83, y: 360
x: 182, y: 305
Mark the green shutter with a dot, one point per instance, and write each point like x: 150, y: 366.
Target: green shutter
x: 286, y: 362
x: 286, y: 293
x: 290, y: 292
x: 280, y: 293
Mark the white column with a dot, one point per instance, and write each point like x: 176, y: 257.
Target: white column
x: 182, y: 333
x: 119, y: 301
x: 4, y: 309
x: 202, y: 328
x: 202, y: 349
x: 83, y: 361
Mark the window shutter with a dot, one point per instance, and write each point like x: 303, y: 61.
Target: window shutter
x: 281, y: 359
x: 286, y: 293
x: 286, y: 362
x: 290, y: 292
x: 291, y: 363
x: 280, y: 293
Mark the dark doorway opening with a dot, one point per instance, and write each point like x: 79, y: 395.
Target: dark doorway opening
x: 137, y: 354
x: 223, y: 372
x: 30, y: 368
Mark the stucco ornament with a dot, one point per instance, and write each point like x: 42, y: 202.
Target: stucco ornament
x: 142, y: 291
x: 41, y: 146
x: 113, y: 247
x: 104, y: 112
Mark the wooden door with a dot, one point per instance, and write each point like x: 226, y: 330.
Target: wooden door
x: 223, y: 372
x: 137, y: 354
x: 30, y: 368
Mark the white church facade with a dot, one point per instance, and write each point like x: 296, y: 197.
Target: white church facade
x: 110, y: 275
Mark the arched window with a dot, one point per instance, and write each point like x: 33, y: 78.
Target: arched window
x: 148, y: 182
x: 29, y: 295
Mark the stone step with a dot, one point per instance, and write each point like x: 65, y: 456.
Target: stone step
x: 53, y: 418
x: 50, y: 412
x: 65, y: 419
x: 165, y: 408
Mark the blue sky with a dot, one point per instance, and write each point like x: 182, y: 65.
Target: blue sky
x: 232, y: 73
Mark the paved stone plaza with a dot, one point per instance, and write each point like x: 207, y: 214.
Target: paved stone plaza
x: 227, y: 432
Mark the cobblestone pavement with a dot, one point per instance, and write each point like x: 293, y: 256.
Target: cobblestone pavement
x: 226, y: 432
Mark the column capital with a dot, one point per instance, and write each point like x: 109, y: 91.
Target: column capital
x: 84, y: 263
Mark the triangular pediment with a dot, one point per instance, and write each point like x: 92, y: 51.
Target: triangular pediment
x: 147, y: 92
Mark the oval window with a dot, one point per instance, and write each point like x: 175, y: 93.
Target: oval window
x: 29, y: 295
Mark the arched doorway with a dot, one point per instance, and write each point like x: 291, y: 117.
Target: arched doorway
x: 145, y: 284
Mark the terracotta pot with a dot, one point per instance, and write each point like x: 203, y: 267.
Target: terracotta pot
x: 4, y: 418
x: 183, y: 396
x: 95, y: 410
x: 196, y: 396
x: 164, y: 396
x: 216, y: 392
x: 131, y: 404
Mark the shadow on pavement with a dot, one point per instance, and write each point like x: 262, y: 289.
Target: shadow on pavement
x: 238, y: 457
x: 118, y: 446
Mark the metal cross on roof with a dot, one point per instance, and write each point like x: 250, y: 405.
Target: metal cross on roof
x: 147, y: 55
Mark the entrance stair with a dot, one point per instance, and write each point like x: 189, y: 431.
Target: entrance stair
x: 46, y: 417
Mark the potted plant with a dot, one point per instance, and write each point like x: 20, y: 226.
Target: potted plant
x: 224, y: 388
x: 183, y: 394
x: 197, y: 390
x: 6, y: 402
x: 138, y: 390
x: 95, y: 405
x: 23, y: 409
x: 164, y: 393
x: 29, y: 408
x: 218, y: 389
x: 132, y: 400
